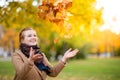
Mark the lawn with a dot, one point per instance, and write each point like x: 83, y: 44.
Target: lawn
x: 89, y: 69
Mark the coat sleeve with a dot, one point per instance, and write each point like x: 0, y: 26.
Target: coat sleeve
x: 21, y: 67
x: 56, y: 69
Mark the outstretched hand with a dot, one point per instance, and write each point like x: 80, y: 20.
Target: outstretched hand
x: 69, y: 54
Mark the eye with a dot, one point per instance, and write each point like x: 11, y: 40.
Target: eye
x: 35, y: 35
x: 29, y: 35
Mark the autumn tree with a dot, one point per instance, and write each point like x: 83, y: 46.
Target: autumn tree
x: 55, y: 21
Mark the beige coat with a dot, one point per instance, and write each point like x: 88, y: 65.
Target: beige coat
x: 26, y: 70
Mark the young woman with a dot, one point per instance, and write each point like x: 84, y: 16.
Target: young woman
x: 30, y: 63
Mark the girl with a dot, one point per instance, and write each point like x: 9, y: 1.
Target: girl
x: 30, y: 63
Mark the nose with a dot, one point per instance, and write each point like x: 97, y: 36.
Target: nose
x: 34, y: 38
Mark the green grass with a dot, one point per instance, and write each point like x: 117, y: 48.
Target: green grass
x: 89, y: 69
x: 6, y: 70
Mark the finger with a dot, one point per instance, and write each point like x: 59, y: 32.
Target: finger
x: 37, y: 56
x: 69, y: 50
x: 75, y: 51
x: 31, y: 52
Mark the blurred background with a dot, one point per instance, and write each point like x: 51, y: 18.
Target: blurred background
x: 92, y: 26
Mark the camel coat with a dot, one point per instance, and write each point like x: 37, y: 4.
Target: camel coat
x: 26, y: 70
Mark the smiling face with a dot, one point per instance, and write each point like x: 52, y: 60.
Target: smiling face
x: 29, y: 37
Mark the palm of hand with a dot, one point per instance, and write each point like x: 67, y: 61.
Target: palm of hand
x: 68, y: 54
x: 33, y: 56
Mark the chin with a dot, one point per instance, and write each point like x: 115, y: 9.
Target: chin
x: 33, y: 44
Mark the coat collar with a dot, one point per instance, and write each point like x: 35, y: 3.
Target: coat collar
x: 24, y: 58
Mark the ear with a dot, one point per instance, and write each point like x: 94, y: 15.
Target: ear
x: 22, y: 41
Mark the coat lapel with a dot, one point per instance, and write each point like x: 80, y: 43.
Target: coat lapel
x: 25, y: 58
x: 39, y: 72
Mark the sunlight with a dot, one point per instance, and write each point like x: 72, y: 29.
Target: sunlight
x: 5, y: 3
x: 2, y: 3
x: 111, y: 15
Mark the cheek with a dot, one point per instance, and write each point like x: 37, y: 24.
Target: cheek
x: 37, y: 40
x: 25, y: 40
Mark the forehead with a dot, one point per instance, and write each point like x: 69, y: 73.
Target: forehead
x: 29, y: 32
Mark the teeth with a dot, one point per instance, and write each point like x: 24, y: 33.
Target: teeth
x: 32, y: 41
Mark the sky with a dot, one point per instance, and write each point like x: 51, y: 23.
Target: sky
x: 111, y: 14
x: 3, y: 2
